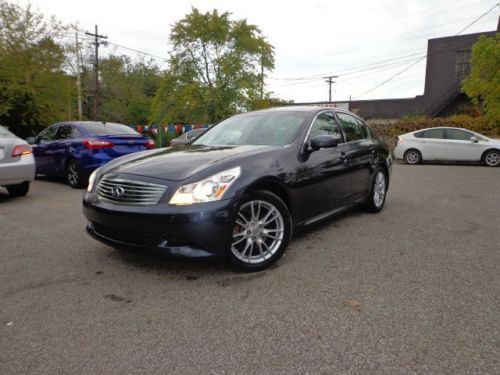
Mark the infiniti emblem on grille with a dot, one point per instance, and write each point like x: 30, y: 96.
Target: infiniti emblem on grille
x: 117, y: 191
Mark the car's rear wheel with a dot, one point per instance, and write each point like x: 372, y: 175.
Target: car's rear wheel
x: 492, y: 158
x: 413, y: 157
x: 261, y: 232
x: 19, y: 190
x: 378, y: 192
x: 74, y: 176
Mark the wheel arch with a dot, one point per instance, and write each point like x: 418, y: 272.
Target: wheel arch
x: 275, y: 186
x: 488, y: 150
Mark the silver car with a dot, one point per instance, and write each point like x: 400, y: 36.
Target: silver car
x: 447, y: 144
x: 17, y: 164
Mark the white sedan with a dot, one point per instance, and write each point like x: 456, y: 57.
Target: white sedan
x: 17, y: 164
x: 447, y: 144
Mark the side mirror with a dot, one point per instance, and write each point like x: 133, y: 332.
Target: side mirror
x: 474, y: 139
x: 31, y: 140
x: 323, y: 141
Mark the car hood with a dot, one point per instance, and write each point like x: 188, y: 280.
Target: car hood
x: 180, y: 163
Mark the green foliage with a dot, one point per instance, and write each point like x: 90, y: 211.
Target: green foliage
x: 484, y: 81
x: 215, y: 69
x: 128, y: 89
x: 389, y: 132
x: 34, y: 88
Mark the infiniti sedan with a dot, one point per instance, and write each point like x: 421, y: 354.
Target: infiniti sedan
x: 447, y: 144
x: 241, y: 188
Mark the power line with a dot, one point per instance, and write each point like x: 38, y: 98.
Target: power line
x: 422, y: 58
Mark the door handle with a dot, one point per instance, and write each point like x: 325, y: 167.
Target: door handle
x: 372, y: 149
x: 343, y: 156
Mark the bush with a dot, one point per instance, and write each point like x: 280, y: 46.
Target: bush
x: 390, y: 132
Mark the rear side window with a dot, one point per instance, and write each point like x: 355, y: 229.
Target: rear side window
x: 4, y: 133
x: 353, y: 129
x: 431, y: 133
x: 64, y: 132
x: 99, y: 128
x: 459, y: 135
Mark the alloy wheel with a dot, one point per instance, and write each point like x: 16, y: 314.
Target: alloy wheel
x: 412, y: 157
x: 492, y: 159
x: 258, y: 232
x: 72, y: 174
x: 379, y: 189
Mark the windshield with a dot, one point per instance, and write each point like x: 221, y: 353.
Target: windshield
x: 4, y: 133
x: 108, y: 128
x: 264, y: 128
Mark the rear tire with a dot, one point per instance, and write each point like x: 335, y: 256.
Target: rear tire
x: 19, y: 190
x: 413, y: 157
x: 378, y: 192
x: 492, y: 158
x: 75, y: 177
x: 261, y: 232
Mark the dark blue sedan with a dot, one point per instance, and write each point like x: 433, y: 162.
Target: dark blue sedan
x: 75, y: 149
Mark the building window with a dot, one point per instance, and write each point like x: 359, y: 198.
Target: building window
x: 462, y: 66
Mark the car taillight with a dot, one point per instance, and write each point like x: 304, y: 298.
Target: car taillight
x: 21, y: 150
x: 96, y: 144
x: 150, y: 144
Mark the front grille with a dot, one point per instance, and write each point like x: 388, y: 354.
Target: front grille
x: 129, y: 192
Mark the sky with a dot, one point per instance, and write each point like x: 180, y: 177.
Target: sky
x: 362, y: 42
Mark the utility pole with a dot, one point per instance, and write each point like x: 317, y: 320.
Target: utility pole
x: 330, y: 81
x: 262, y: 77
x: 78, y: 79
x: 96, y: 43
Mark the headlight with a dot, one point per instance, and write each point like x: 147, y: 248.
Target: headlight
x: 209, y: 189
x: 91, y: 181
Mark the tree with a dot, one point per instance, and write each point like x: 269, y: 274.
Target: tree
x: 128, y: 89
x: 34, y: 87
x: 484, y: 81
x: 216, y: 69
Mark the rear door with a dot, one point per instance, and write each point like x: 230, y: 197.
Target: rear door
x: 460, y: 147
x: 432, y: 144
x: 61, y: 147
x: 359, y: 155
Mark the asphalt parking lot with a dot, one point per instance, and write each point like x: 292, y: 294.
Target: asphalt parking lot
x: 414, y: 289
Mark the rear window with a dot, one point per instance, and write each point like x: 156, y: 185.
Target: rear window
x: 108, y: 128
x: 4, y: 133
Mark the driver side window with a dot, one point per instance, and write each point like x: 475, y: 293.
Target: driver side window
x: 325, y: 124
x: 46, y: 135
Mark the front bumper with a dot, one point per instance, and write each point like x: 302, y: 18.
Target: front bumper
x: 197, y: 230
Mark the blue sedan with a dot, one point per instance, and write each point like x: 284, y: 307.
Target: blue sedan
x: 75, y: 149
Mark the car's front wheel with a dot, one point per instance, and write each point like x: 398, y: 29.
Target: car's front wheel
x: 261, y: 232
x: 492, y: 158
x: 19, y: 190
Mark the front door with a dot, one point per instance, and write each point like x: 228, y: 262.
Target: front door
x: 42, y: 150
x: 323, y: 175
x: 460, y: 147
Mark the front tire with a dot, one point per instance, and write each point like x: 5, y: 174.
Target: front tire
x: 74, y: 176
x: 492, y: 158
x: 413, y: 157
x: 19, y: 190
x: 261, y: 232
x: 378, y: 192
